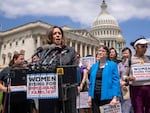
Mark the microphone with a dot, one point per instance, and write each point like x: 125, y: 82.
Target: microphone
x: 38, y: 50
x: 64, y: 51
x: 59, y: 49
x: 45, y: 47
x: 48, y: 49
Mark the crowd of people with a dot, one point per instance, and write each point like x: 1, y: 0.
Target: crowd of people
x: 113, y: 80
x: 108, y: 80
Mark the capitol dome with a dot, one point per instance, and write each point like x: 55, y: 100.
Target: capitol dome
x: 104, y: 18
x: 106, y: 29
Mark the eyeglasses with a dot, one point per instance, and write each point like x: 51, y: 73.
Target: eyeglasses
x: 144, y: 46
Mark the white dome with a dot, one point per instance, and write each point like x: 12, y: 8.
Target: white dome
x: 104, y: 18
x: 106, y: 29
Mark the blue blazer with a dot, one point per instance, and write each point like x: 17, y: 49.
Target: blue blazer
x: 110, y: 80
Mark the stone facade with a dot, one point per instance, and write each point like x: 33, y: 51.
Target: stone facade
x: 26, y: 38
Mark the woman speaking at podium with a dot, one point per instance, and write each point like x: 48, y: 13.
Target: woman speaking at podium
x: 56, y: 55
x: 13, y: 102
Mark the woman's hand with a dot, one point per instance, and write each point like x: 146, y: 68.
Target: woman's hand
x: 5, y: 89
x: 122, y: 83
x: 114, y: 101
x: 130, y: 78
x: 125, y: 88
x: 89, y: 101
x: 79, y: 89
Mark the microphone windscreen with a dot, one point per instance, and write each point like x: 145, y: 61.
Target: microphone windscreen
x: 47, y: 46
x: 39, y: 49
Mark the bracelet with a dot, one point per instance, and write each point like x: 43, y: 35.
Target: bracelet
x: 115, y: 97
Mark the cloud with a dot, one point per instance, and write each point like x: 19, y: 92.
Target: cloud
x: 124, y: 10
x: 82, y: 11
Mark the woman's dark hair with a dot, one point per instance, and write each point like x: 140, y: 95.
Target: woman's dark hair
x: 132, y: 43
x: 16, y: 56
x: 114, y: 50
x: 49, y: 35
x: 126, y: 48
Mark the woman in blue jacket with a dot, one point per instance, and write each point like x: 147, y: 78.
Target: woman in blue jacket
x: 104, y: 84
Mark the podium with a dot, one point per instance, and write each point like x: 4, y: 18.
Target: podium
x: 67, y: 88
x: 17, y: 101
x: 67, y: 91
x: 60, y: 79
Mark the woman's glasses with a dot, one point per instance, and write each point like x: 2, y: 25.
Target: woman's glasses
x: 144, y: 46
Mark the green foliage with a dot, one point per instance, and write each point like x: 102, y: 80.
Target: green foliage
x: 1, y: 96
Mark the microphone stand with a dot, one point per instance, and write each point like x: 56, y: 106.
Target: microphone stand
x: 62, y: 87
x: 8, y: 86
x: 6, y: 97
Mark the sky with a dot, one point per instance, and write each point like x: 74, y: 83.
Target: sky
x: 132, y: 16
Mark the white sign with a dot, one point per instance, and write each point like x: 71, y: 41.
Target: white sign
x: 88, y: 61
x: 141, y: 72
x: 109, y: 109
x: 82, y: 100
x: 19, y: 88
x: 42, y: 85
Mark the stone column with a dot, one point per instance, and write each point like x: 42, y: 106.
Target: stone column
x: 81, y: 48
x: 70, y: 43
x: 76, y: 46
x: 106, y: 43
x: 114, y: 45
x: 110, y: 43
x: 38, y: 41
x: 90, y: 51
x: 85, y: 50
x: 94, y: 51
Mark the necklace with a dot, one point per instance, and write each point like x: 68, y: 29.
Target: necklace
x: 102, y: 65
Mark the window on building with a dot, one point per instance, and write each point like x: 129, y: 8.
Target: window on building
x: 9, y: 57
x: 16, y: 43
x: 4, y: 58
x: 36, y: 41
x: 4, y: 46
x: 105, y: 43
x: 22, y: 41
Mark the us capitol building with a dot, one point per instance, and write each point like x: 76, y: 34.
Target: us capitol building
x: 26, y: 38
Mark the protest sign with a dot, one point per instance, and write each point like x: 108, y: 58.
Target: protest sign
x: 82, y: 100
x: 141, y: 72
x: 109, y: 109
x: 88, y: 61
x: 42, y: 85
